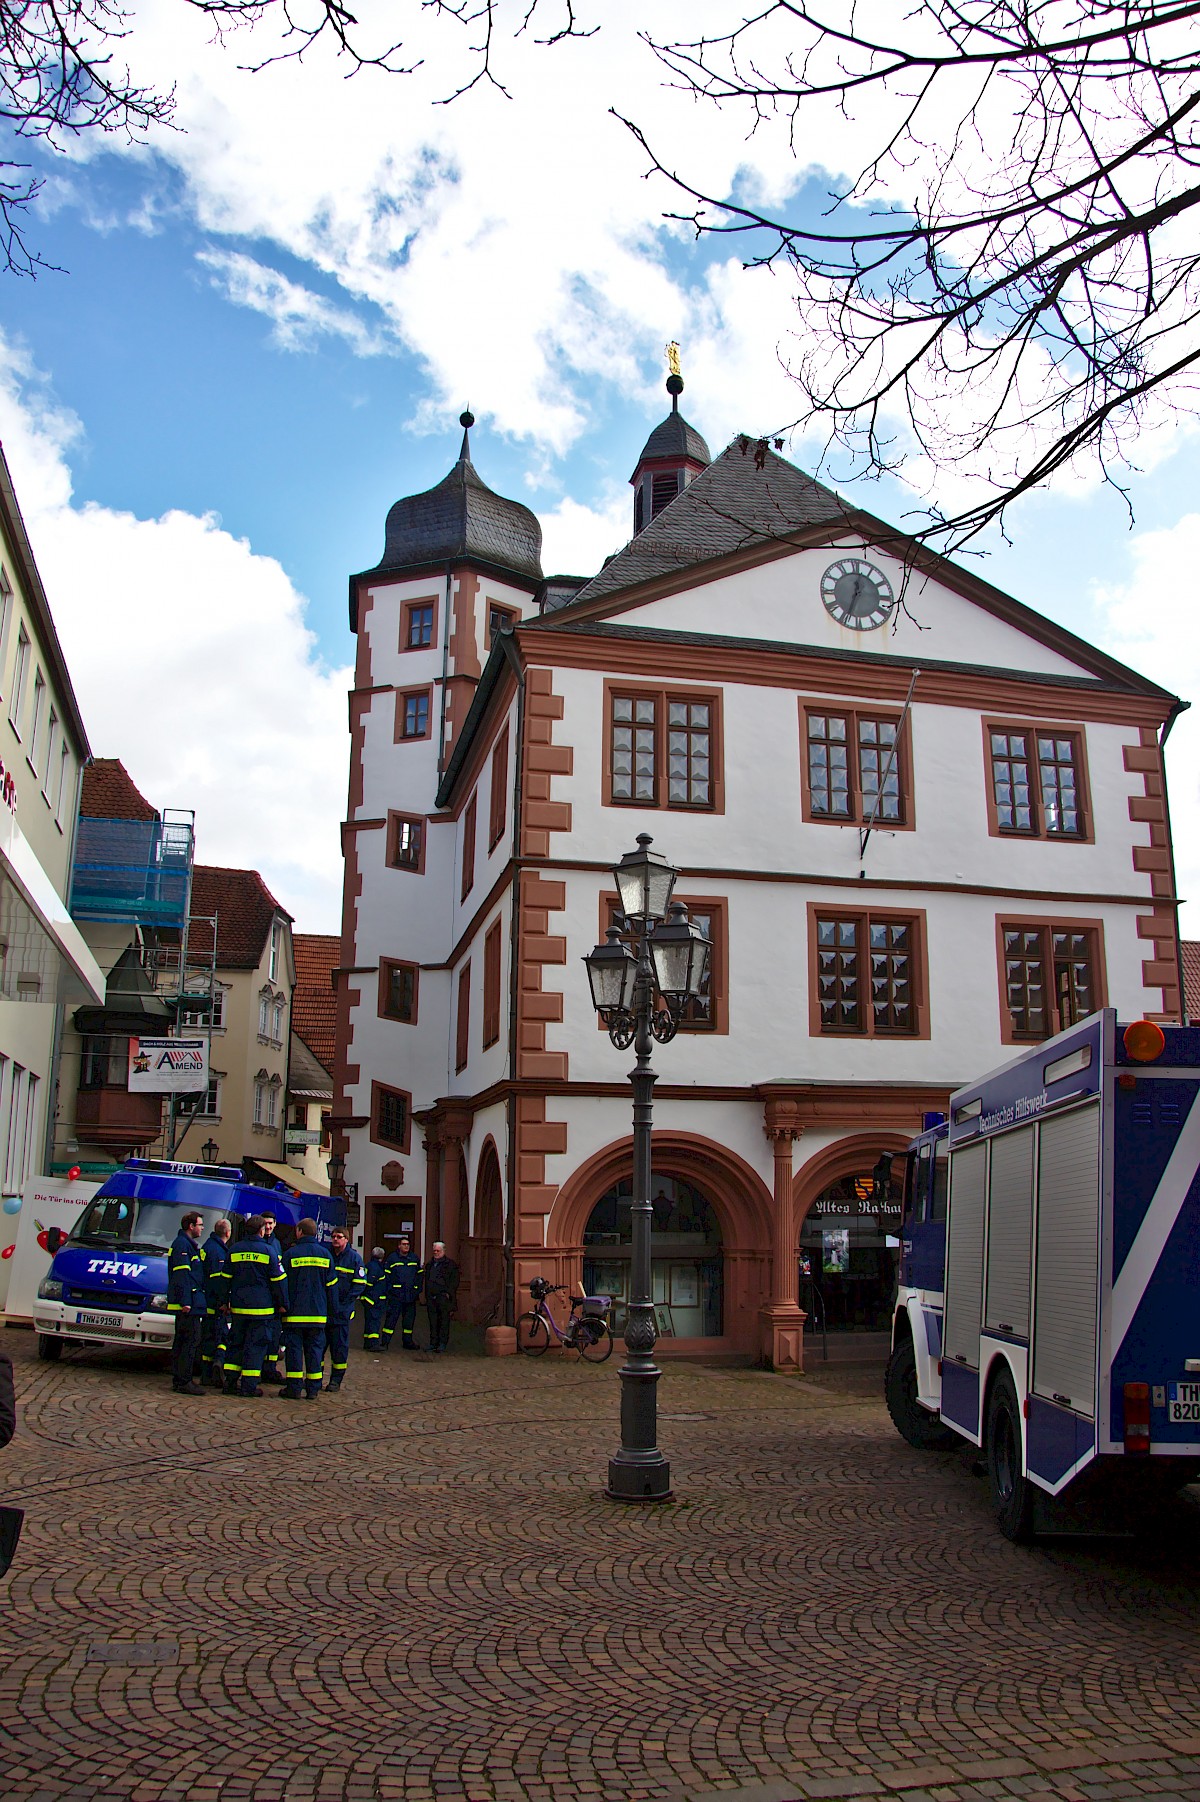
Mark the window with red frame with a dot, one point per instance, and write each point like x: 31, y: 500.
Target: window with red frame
x: 462, y: 1036
x: 1051, y: 977
x: 413, y: 718
x: 406, y: 842
x: 662, y: 749
x: 491, y: 985
x: 855, y: 768
x: 468, y: 849
x: 498, y: 805
x: 866, y: 974
x: 1037, y: 781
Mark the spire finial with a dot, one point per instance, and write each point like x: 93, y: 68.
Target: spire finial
x: 674, y: 379
x: 466, y: 420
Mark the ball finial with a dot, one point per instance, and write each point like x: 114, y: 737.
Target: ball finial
x: 466, y: 420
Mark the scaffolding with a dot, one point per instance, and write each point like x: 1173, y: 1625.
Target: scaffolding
x: 135, y: 869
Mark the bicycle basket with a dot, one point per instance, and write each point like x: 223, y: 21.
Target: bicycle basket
x: 595, y: 1307
x: 539, y: 1288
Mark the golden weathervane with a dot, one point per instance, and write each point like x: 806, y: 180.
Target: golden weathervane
x: 673, y: 358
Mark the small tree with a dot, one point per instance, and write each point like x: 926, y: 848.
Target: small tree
x: 1013, y: 275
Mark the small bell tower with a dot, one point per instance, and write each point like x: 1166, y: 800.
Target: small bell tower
x: 672, y: 456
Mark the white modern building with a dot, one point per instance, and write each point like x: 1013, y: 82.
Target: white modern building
x: 920, y: 823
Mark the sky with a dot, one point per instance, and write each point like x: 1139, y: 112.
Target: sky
x: 263, y: 323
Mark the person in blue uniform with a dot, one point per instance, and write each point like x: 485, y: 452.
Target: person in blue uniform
x: 351, y: 1283
x: 257, y: 1290
x: 185, y: 1300
x: 215, y: 1252
x: 403, y: 1279
x: 374, y: 1297
x: 312, y: 1282
x: 271, y: 1372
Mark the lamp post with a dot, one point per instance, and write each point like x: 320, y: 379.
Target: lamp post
x: 336, y: 1166
x: 210, y: 1150
x: 665, y: 960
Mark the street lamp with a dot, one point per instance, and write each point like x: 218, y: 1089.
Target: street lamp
x: 336, y: 1166
x: 210, y: 1151
x: 666, y: 960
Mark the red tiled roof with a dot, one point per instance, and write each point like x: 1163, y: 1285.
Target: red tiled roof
x: 1191, y: 978
x: 314, y: 1003
x: 244, y: 907
x: 110, y: 793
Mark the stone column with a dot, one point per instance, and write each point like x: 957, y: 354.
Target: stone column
x: 448, y: 1209
x: 781, y: 1339
x: 434, y: 1161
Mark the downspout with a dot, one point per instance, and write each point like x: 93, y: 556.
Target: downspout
x: 445, y: 671
x: 1177, y: 709
x: 514, y: 976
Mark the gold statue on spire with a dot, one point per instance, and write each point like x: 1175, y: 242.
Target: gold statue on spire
x: 673, y: 358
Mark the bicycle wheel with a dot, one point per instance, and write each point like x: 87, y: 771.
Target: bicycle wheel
x: 595, y: 1342
x: 533, y: 1337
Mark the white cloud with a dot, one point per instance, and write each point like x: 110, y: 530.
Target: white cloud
x: 299, y: 317
x: 1149, y: 621
x: 192, y: 664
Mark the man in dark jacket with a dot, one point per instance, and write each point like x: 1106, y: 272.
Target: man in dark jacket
x: 257, y: 1289
x: 402, y: 1284
x: 274, y: 1351
x: 312, y: 1285
x: 439, y: 1279
x: 374, y: 1298
x: 215, y: 1252
x: 351, y: 1283
x: 8, y: 1400
x: 186, y: 1300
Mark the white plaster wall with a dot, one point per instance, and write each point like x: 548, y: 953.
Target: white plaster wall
x: 782, y: 601
x: 483, y: 1067
x: 489, y: 1122
x: 594, y: 1122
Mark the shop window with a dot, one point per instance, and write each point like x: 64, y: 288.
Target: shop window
x: 687, y: 1266
x: 866, y: 973
x: 391, y: 1116
x: 1052, y: 976
x: 847, y: 1268
x: 491, y: 985
x: 856, y: 768
x: 406, y: 842
x: 663, y: 749
x: 498, y: 801
x: 412, y: 714
x: 398, y: 991
x: 1036, y: 781
x: 468, y: 850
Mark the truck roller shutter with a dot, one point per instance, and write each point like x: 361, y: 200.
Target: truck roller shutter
x: 964, y: 1254
x: 1064, y: 1309
x: 1010, y: 1231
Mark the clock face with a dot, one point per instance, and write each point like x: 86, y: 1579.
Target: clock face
x: 857, y: 594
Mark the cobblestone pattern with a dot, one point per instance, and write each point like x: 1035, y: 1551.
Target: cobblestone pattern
x: 415, y: 1592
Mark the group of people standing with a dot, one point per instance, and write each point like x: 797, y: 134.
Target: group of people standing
x: 238, y: 1306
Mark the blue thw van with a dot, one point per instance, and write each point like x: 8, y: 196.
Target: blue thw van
x: 107, y: 1284
x: 1048, y: 1306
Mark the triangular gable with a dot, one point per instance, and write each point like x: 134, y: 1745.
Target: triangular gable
x: 751, y: 508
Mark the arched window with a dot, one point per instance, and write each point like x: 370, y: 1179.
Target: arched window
x: 687, y: 1265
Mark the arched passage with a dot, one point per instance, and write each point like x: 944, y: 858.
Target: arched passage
x: 482, y: 1287
x: 847, y: 1267
x: 692, y: 1173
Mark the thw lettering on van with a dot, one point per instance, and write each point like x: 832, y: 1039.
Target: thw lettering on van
x: 113, y: 1267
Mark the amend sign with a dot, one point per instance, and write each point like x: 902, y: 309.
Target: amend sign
x: 168, y: 1066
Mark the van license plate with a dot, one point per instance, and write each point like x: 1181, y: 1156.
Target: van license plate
x: 1183, y: 1402
x: 109, y: 1320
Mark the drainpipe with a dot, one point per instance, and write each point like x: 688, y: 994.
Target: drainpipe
x: 514, y: 972
x: 1177, y: 709
x: 445, y: 670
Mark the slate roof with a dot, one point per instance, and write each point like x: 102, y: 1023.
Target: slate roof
x: 462, y: 519
x: 244, y: 907
x: 675, y: 438
x: 314, y: 1005
x: 110, y: 793
x: 731, y: 505
x: 1191, y: 978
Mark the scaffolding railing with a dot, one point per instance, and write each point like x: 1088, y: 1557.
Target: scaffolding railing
x: 134, y: 869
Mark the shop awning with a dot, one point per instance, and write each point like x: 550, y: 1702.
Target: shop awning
x: 295, y: 1179
x: 47, y: 958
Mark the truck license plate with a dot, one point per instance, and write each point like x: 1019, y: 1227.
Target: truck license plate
x: 1183, y: 1402
x: 108, y: 1320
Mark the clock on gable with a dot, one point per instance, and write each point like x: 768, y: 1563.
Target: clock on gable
x: 857, y: 594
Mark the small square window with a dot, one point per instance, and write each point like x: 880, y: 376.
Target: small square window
x: 412, y: 716
x: 398, y: 991
x: 406, y: 842
x: 419, y: 623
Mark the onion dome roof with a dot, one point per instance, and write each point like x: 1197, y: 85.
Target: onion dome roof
x: 463, y: 520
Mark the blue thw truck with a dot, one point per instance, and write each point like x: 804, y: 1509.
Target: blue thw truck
x: 107, y: 1283
x: 1048, y: 1303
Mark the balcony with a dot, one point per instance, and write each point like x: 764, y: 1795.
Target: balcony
x: 111, y: 1117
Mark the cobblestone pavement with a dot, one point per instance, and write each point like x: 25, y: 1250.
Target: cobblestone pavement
x: 416, y: 1592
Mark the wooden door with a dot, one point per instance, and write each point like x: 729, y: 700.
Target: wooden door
x: 389, y: 1220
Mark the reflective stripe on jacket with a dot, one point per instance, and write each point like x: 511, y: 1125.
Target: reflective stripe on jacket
x: 311, y: 1282
x: 403, y: 1274
x: 185, y: 1275
x: 352, y: 1282
x: 257, y: 1284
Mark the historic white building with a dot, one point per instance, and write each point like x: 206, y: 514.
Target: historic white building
x: 920, y: 822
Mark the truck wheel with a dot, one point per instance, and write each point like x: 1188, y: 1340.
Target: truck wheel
x: 49, y: 1348
x: 911, y: 1420
x: 1012, y: 1492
